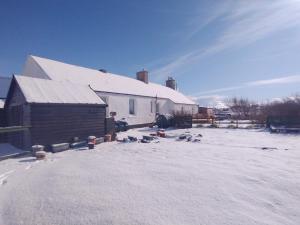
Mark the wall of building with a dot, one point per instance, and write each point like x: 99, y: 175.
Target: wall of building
x: 17, y: 113
x: 2, y: 117
x: 51, y: 123
x: 119, y: 103
x: 57, y: 123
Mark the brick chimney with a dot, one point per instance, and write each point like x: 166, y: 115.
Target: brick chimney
x: 171, y: 83
x: 142, y: 76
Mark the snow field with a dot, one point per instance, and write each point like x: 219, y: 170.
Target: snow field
x: 231, y: 177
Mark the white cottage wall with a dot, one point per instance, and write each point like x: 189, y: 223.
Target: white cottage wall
x: 119, y: 103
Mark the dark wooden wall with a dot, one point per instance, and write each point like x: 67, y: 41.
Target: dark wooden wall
x: 2, y: 117
x: 17, y: 113
x: 57, y: 123
x: 50, y: 123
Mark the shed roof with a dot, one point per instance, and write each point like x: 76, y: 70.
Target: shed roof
x: 99, y: 81
x: 38, y: 90
x: 4, y: 86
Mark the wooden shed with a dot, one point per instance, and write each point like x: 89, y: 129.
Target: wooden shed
x: 55, y: 112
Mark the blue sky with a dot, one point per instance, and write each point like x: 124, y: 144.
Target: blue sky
x: 214, y: 49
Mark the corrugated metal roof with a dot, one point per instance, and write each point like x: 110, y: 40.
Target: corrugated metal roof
x: 4, y: 86
x: 105, y: 82
x: 38, y: 90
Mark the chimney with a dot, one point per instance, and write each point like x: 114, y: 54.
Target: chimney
x: 171, y: 83
x: 142, y: 76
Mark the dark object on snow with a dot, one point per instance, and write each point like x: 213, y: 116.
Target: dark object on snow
x: 196, y: 140
x: 145, y: 141
x: 121, y: 126
x: 148, y: 138
x: 125, y: 140
x: 199, y: 135
x: 182, y: 136
x: 91, y: 145
x: 164, y: 121
x: 132, y: 138
x: 268, y: 148
x: 185, y: 136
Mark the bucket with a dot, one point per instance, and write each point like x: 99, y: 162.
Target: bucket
x: 92, y: 139
x: 37, y: 148
x: 107, y: 138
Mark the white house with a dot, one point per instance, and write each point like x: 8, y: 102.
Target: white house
x: 135, y: 100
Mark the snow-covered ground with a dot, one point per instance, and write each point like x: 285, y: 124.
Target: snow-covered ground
x: 232, y: 177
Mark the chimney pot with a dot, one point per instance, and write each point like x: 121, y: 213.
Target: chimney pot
x: 142, y: 76
x: 171, y: 83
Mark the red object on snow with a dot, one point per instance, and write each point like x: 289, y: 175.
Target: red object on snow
x: 161, y: 134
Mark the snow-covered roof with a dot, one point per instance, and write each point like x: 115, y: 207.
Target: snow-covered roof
x: 38, y: 90
x: 99, y: 81
x: 4, y: 86
x: 2, y: 103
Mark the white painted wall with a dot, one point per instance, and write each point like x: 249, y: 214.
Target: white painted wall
x: 120, y: 104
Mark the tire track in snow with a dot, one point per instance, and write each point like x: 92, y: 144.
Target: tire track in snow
x: 4, y: 176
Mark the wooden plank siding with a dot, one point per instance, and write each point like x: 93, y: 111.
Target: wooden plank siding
x: 50, y: 123
x: 57, y: 123
x: 2, y: 117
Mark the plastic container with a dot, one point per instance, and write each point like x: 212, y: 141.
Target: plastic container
x: 107, y: 138
x: 37, y: 148
x: 92, y: 139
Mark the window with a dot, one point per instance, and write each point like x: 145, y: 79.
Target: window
x: 157, y: 107
x: 152, y: 105
x: 131, y: 107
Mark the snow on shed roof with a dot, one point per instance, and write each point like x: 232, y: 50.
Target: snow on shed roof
x: 99, y: 81
x: 38, y: 90
x: 4, y: 86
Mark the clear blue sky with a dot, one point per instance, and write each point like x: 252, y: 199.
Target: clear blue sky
x: 214, y: 49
